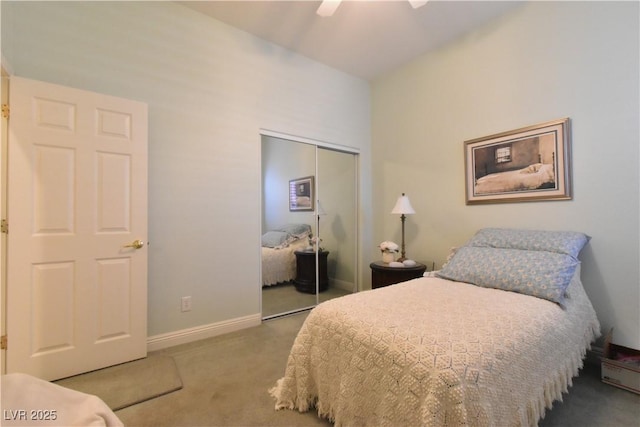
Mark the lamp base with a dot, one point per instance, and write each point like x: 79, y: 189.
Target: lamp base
x: 401, y: 259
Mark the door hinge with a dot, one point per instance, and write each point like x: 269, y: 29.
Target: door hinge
x: 4, y: 227
x: 5, y: 111
x: 3, y: 342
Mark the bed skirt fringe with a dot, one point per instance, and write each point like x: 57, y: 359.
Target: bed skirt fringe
x: 301, y: 405
x: 560, y: 381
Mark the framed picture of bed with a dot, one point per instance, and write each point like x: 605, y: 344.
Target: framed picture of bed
x: 301, y: 194
x: 527, y: 164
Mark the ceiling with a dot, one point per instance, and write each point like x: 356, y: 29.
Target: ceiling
x: 363, y: 38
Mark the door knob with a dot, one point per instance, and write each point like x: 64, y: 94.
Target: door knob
x: 137, y: 244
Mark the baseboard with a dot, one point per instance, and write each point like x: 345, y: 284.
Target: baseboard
x: 594, y: 355
x: 342, y: 284
x: 158, y: 342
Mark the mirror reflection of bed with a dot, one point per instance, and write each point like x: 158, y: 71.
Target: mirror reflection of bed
x: 279, y: 271
x: 285, y: 230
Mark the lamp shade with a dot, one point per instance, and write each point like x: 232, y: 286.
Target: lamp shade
x: 403, y: 206
x: 416, y: 3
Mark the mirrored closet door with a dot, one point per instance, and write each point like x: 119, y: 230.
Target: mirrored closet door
x: 309, y: 225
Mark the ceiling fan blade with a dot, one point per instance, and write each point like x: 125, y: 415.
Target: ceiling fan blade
x: 417, y: 3
x: 327, y: 7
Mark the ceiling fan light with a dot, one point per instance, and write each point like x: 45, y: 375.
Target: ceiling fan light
x: 417, y: 3
x: 328, y: 7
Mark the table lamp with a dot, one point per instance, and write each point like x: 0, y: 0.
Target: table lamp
x: 403, y: 207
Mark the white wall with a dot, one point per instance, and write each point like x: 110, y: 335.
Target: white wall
x: 543, y: 61
x: 337, y: 191
x: 283, y: 160
x: 210, y: 89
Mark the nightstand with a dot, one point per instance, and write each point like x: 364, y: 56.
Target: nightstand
x: 383, y: 275
x: 305, y: 280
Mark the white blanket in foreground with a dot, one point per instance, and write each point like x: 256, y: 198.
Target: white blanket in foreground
x: 433, y: 352
x: 30, y: 401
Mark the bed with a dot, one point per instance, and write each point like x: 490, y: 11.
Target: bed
x: 278, y: 257
x: 30, y: 401
x: 535, y: 176
x: 469, y: 345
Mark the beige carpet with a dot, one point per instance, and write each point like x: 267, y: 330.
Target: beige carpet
x: 227, y: 378
x: 130, y: 383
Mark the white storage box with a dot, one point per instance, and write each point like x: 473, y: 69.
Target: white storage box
x: 621, y: 367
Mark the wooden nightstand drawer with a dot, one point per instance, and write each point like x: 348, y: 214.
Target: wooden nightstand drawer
x: 305, y: 280
x: 383, y: 275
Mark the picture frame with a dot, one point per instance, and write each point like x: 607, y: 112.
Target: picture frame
x: 301, y: 196
x: 522, y: 165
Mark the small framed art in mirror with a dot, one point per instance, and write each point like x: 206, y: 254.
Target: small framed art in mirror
x: 301, y: 194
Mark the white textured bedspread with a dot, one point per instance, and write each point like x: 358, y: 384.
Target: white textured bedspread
x: 30, y: 401
x: 431, y: 352
x: 279, y: 265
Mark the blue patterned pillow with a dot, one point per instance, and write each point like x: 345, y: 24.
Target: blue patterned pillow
x: 562, y: 242
x: 540, y: 274
x: 296, y: 230
x: 275, y: 239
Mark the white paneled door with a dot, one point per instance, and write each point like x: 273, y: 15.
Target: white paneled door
x: 77, y: 213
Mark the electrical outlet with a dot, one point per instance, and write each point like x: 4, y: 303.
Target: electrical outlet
x: 185, y: 304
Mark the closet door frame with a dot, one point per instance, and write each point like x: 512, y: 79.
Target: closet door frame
x: 334, y: 147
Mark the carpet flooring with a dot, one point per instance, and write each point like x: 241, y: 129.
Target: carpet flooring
x: 226, y: 381
x: 129, y: 383
x: 284, y: 298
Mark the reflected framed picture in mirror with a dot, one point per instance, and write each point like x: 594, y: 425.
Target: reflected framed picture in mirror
x: 301, y: 194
